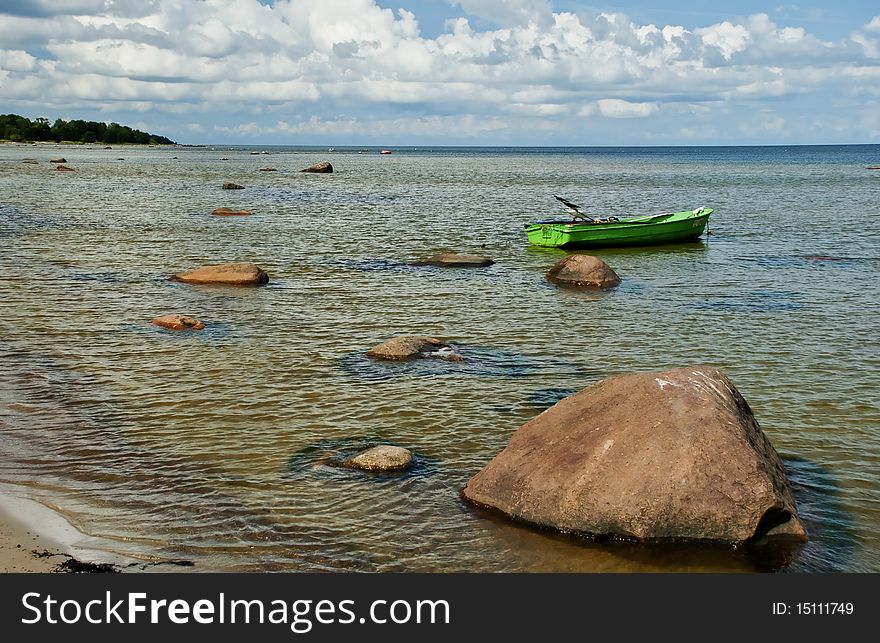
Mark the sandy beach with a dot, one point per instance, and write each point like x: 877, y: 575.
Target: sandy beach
x: 20, y: 545
x: 36, y: 539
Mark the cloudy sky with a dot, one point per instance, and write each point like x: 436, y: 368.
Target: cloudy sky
x: 456, y: 72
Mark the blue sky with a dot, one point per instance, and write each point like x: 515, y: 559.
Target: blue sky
x: 456, y: 72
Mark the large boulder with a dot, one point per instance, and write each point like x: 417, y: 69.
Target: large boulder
x: 455, y: 260
x: 583, y: 271
x: 411, y: 347
x: 230, y: 274
x: 381, y: 458
x: 178, y: 322
x: 674, y: 455
x: 319, y: 168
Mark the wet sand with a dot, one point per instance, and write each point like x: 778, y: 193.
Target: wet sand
x: 36, y: 539
x: 20, y: 545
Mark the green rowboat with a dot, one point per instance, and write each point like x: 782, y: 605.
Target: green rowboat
x: 667, y: 227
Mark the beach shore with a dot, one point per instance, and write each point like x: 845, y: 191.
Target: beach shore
x: 34, y: 538
x: 23, y: 549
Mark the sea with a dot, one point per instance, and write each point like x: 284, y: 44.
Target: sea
x: 214, y: 450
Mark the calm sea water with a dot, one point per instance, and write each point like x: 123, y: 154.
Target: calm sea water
x: 211, y: 446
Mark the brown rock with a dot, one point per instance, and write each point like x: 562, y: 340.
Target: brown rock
x: 268, y: 169
x: 453, y: 260
x: 583, y: 271
x: 178, y: 322
x: 31, y: 161
x: 231, y: 274
x: 232, y: 186
x: 413, y: 346
x: 58, y: 160
x: 320, y: 168
x: 647, y: 456
x: 63, y: 168
x: 381, y: 458
x: 228, y: 212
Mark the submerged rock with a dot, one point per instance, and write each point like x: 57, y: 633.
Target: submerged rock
x: 228, y: 212
x: 63, y: 168
x: 413, y: 346
x: 674, y: 455
x: 319, y: 168
x: 178, y: 322
x: 60, y: 159
x: 455, y: 260
x: 381, y: 458
x: 583, y: 271
x: 231, y: 274
x: 267, y: 169
x: 232, y: 186
x: 31, y: 161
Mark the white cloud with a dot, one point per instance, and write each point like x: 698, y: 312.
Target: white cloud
x: 369, y: 66
x: 617, y: 108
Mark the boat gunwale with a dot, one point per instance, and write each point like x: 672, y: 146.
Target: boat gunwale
x: 643, y: 220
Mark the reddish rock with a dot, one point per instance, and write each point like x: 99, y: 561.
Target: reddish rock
x: 178, y: 322
x: 230, y: 274
x: 319, y: 168
x: 228, y: 212
x: 584, y: 271
x: 674, y: 455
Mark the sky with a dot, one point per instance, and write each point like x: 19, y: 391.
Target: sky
x: 450, y: 72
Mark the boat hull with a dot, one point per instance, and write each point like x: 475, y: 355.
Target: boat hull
x: 640, y: 231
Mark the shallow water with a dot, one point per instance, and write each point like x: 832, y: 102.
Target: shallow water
x: 214, y: 446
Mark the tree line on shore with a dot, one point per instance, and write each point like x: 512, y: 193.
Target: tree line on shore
x: 22, y: 129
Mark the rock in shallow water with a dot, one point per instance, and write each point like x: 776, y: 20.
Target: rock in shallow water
x: 583, y: 271
x: 674, y: 455
x: 413, y: 346
x: 178, y: 322
x: 381, y: 458
x: 319, y: 168
x: 232, y: 186
x: 455, y: 260
x: 229, y: 212
x: 230, y: 274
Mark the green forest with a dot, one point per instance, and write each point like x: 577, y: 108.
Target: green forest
x: 21, y: 129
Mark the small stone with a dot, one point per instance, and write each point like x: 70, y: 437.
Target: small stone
x: 232, y: 186
x: 229, y: 274
x: 268, y: 169
x: 319, y: 168
x: 407, y: 347
x: 229, y: 212
x: 455, y: 260
x: 178, y: 322
x: 63, y: 168
x: 381, y: 458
